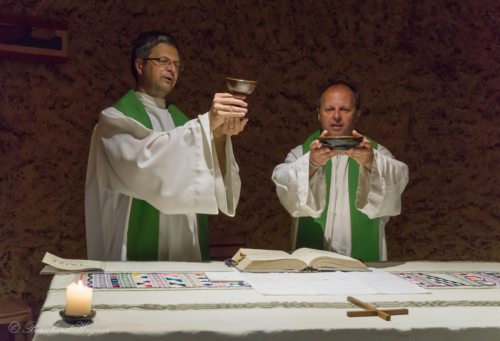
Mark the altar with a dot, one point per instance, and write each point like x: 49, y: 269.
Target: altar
x: 244, y: 313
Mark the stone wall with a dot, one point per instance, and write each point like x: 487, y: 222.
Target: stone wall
x: 428, y: 71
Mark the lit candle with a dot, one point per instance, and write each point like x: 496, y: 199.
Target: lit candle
x: 78, y: 299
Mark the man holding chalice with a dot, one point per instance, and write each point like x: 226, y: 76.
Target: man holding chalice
x: 153, y: 173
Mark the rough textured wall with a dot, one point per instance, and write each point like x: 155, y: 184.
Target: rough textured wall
x: 428, y: 71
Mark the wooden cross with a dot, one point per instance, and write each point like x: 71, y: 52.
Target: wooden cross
x: 370, y: 310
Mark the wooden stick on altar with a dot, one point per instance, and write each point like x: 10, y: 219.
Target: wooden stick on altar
x: 373, y: 311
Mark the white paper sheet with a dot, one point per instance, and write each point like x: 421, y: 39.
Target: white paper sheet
x: 386, y: 283
x: 330, y: 283
x: 226, y: 276
x: 72, y: 264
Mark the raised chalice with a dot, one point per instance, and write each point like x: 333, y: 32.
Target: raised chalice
x: 240, y: 86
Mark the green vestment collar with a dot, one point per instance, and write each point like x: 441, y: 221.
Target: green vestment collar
x: 364, y: 231
x: 143, y: 230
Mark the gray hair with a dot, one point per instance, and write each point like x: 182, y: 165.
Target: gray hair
x: 143, y: 44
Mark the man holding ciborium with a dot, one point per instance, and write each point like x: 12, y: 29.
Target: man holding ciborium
x: 151, y: 171
x: 339, y: 186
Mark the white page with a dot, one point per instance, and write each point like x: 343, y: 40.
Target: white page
x: 317, y: 283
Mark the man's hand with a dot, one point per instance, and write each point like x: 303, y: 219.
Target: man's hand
x: 230, y: 127
x: 227, y: 117
x: 227, y: 106
x: 363, y: 153
x: 319, y: 154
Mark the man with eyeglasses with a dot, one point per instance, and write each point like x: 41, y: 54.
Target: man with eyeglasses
x: 151, y: 171
x: 340, y: 200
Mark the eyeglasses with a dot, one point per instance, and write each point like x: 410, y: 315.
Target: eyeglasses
x: 164, y: 62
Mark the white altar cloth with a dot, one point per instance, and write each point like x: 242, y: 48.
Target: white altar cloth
x: 216, y: 314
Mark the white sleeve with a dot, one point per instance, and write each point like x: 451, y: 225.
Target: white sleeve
x: 300, y: 195
x: 228, y: 187
x: 379, y: 191
x: 176, y: 171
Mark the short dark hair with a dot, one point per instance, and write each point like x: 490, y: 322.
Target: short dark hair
x: 142, y: 45
x: 352, y: 87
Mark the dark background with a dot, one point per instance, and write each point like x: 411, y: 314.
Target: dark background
x: 428, y: 72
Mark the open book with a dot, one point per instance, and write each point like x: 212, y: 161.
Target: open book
x: 56, y: 264
x: 303, y: 259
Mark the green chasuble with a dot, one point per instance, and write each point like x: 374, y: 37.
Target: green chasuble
x: 143, y: 231
x: 364, y: 231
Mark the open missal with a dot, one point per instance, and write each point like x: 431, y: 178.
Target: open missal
x: 303, y: 259
x: 57, y: 264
